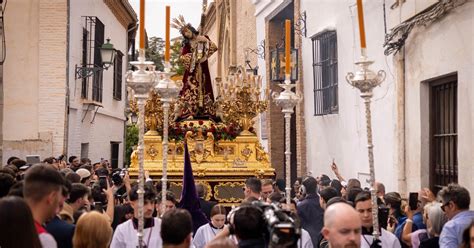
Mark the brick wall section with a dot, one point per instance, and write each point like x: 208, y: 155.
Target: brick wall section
x: 52, y: 70
x: 276, y: 124
x: 300, y: 127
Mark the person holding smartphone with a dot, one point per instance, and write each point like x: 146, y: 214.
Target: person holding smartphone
x: 393, y: 201
x: 414, y: 217
x: 103, y: 195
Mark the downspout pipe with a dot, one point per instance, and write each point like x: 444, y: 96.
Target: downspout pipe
x: 66, y: 98
x: 401, y: 121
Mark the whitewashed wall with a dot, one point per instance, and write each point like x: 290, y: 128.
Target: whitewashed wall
x: 443, y: 47
x: 342, y: 136
x: 109, y: 122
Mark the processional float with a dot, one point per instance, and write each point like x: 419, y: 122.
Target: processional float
x: 222, y: 143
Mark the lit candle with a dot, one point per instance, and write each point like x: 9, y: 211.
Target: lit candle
x: 167, y: 44
x: 287, y: 46
x: 142, y: 24
x: 360, y: 15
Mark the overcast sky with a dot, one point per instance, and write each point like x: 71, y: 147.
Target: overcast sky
x: 155, y: 14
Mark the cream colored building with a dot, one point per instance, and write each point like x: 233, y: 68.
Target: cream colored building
x: 48, y: 109
x: 229, y: 24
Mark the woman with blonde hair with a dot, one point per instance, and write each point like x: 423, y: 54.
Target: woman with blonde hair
x: 93, y: 230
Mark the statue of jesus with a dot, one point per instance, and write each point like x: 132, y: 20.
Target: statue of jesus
x: 196, y: 98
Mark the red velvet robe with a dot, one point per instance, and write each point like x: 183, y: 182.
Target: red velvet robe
x: 196, y: 97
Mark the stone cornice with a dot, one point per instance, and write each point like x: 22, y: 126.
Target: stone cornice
x: 210, y: 18
x: 123, y: 11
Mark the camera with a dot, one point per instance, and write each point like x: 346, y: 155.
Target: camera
x: 282, y: 228
x: 117, y: 176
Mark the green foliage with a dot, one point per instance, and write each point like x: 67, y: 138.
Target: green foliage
x: 155, y: 52
x: 178, y: 67
x: 130, y: 141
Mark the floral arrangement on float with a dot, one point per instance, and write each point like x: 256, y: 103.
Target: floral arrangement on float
x: 220, y: 131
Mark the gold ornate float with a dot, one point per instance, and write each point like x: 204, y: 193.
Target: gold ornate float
x: 223, y: 154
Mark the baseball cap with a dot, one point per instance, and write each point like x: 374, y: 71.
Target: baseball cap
x: 83, y: 173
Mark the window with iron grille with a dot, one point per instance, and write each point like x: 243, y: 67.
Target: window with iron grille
x: 92, y: 41
x: 118, y: 76
x: 325, y: 73
x: 443, y: 132
x: 97, y: 77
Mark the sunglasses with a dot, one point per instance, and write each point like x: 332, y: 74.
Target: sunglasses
x: 444, y: 206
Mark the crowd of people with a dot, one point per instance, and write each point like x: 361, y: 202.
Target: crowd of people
x: 83, y: 205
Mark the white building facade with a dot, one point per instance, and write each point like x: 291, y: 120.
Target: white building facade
x: 421, y: 114
x: 334, y: 111
x: 51, y: 110
x: 97, y: 103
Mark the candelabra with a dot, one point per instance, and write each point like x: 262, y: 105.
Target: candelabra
x: 168, y: 91
x: 141, y: 81
x: 287, y: 100
x: 240, y: 99
x: 366, y: 80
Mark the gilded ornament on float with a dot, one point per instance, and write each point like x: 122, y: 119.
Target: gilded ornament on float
x: 240, y: 99
x: 222, y: 150
x: 154, y: 114
x: 246, y: 152
x: 260, y: 154
x: 152, y: 152
x: 200, y: 147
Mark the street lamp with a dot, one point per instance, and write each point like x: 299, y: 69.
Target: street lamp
x: 134, y: 118
x: 277, y: 65
x: 107, y: 55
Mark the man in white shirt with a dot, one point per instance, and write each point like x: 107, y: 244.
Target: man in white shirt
x: 125, y: 235
x: 363, y: 205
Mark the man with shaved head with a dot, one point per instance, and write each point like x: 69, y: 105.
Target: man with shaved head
x: 342, y: 226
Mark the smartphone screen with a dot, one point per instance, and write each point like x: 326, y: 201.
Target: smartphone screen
x: 413, y: 200
x: 383, y: 217
x: 103, y: 182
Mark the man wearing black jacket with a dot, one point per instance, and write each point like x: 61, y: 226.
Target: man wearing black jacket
x: 61, y: 230
x: 309, y: 210
x: 206, y: 206
x: 249, y: 227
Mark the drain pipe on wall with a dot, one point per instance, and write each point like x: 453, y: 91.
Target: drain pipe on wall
x: 399, y: 59
x: 66, y: 98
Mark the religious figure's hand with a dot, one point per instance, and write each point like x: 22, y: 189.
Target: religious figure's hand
x: 201, y: 38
